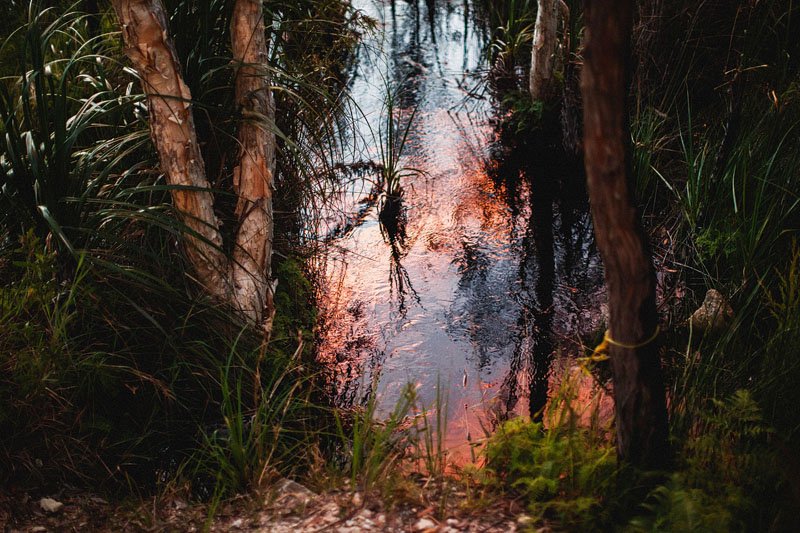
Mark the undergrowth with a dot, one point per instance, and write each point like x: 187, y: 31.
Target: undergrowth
x: 728, y: 475
x: 566, y: 471
x: 714, y: 114
x: 116, y: 371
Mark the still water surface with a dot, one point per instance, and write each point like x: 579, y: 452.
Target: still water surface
x: 492, y: 275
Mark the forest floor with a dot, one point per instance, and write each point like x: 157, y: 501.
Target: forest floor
x: 288, y: 507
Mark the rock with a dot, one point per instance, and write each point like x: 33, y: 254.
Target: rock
x: 715, y: 314
x: 424, y: 524
x: 357, y: 499
x: 50, y: 505
x: 524, y: 520
x: 38, y: 529
x: 288, y: 488
x: 237, y: 524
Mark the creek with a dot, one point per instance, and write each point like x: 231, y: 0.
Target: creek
x: 487, y: 278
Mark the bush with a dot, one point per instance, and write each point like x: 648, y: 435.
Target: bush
x: 567, y: 472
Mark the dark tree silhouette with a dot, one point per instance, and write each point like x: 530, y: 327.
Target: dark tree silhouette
x: 641, y: 418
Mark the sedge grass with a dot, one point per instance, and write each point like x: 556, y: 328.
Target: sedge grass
x: 123, y: 374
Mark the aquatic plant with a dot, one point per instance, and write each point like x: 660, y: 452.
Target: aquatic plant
x: 393, y: 135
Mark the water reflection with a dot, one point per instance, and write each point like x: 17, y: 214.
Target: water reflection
x: 392, y: 217
x: 489, y: 255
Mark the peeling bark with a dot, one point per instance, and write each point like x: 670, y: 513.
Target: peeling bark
x: 253, y: 176
x: 641, y: 418
x: 244, y: 280
x: 543, y: 55
x: 147, y: 45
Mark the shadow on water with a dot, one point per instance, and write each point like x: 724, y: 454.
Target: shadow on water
x: 483, y: 275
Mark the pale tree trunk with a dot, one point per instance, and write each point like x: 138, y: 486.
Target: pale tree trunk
x: 543, y: 54
x: 641, y: 418
x: 244, y: 280
x: 147, y: 45
x: 253, y: 175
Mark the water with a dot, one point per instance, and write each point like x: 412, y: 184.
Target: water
x: 485, y: 282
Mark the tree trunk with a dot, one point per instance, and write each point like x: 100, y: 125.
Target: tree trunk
x: 543, y: 54
x: 641, y: 418
x: 243, y: 281
x: 147, y: 45
x: 253, y: 176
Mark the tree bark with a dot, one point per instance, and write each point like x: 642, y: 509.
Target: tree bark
x: 543, y: 54
x: 147, y: 45
x: 253, y: 176
x: 244, y: 280
x: 641, y: 418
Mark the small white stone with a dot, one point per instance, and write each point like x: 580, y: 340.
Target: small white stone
x: 238, y: 523
x: 424, y: 524
x: 524, y: 519
x: 50, y: 505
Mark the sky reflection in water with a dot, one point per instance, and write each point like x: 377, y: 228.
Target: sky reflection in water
x: 493, y: 264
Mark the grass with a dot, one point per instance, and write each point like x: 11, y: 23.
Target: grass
x: 731, y: 208
x: 115, y: 367
x: 375, y: 448
x: 266, y: 433
x: 727, y: 478
x: 715, y: 165
x: 393, y: 136
x: 512, y: 23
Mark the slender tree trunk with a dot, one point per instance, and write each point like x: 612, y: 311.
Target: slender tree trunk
x: 147, y: 45
x: 244, y: 280
x: 543, y: 54
x: 253, y: 176
x: 641, y: 419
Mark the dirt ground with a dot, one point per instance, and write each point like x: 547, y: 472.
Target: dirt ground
x: 288, y: 507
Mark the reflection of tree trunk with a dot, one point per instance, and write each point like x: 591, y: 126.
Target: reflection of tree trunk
x: 544, y: 51
x: 242, y: 281
x: 641, y: 418
x: 542, y: 356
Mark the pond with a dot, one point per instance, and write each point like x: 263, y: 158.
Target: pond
x: 484, y: 282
